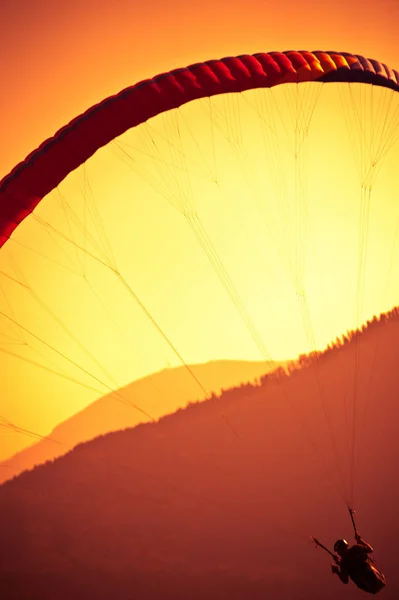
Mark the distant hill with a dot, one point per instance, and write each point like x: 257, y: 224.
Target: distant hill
x: 158, y: 394
x: 218, y: 500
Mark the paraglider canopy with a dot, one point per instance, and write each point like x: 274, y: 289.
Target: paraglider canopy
x: 48, y: 165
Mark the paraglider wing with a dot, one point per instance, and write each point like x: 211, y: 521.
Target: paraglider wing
x: 71, y: 146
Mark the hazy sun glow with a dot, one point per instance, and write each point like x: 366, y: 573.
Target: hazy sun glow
x: 229, y: 228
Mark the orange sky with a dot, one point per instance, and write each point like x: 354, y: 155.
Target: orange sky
x: 59, y: 59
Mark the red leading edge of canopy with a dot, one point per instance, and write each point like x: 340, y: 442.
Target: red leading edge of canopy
x: 41, y: 171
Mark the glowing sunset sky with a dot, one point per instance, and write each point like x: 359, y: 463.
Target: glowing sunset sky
x: 58, y: 59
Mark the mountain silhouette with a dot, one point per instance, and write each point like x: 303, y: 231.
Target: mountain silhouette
x: 218, y: 499
x: 158, y: 394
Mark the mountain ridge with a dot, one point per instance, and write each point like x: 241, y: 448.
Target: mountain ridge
x: 108, y: 413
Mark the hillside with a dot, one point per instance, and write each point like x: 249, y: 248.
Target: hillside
x: 218, y: 500
x: 158, y: 394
